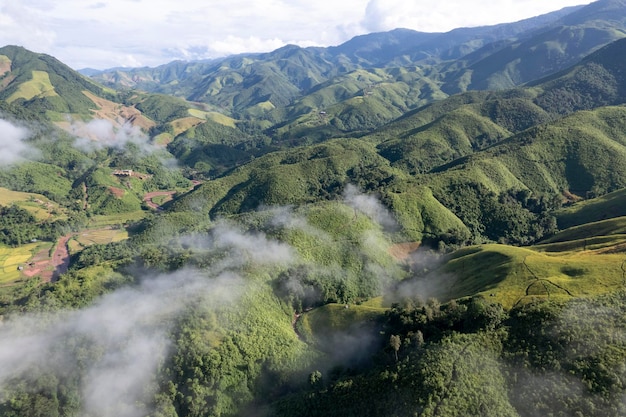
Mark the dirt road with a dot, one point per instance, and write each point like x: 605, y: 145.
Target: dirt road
x: 149, y: 196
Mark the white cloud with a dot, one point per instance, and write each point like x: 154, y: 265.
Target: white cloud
x: 108, y: 33
x: 382, y: 15
x: 13, y: 149
x: 99, y: 134
x: 125, y: 333
x: 370, y: 206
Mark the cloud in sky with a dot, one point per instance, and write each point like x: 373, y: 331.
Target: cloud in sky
x: 108, y: 33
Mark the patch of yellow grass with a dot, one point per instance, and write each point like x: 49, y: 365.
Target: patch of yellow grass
x: 12, y: 258
x: 39, y: 86
x: 37, y: 204
x: 122, y: 218
x: 266, y: 105
x: 213, y: 116
x: 100, y: 236
x: 222, y: 119
x: 5, y: 64
x: 162, y: 139
x: 184, y: 124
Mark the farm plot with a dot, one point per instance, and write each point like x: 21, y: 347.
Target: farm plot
x: 95, y: 236
x: 13, y: 260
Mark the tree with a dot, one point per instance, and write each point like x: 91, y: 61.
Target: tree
x: 315, y: 377
x: 395, y: 342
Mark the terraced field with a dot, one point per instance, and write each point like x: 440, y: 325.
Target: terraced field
x: 41, y: 207
x: 11, y: 259
x: 90, y: 237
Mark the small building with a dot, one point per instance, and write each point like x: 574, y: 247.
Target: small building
x: 123, y: 172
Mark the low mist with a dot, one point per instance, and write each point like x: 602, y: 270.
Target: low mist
x: 99, y: 134
x: 13, y: 148
x: 117, y: 343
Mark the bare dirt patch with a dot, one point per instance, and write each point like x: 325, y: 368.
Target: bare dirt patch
x: 402, y: 251
x: 149, y: 196
x: 5, y: 66
x: 117, y: 113
x: 40, y: 264
x: 50, y: 268
x: 117, y: 192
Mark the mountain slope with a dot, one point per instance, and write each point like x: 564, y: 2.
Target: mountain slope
x: 42, y: 83
x: 256, y: 83
x: 540, y: 52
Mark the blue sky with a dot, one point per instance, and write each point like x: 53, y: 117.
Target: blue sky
x: 108, y: 33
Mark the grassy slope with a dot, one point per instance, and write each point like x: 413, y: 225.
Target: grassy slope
x: 604, y: 207
x: 510, y: 275
x: 38, y: 86
x: 580, y: 153
x: 40, y: 206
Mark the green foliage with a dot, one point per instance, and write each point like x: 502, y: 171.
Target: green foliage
x: 18, y: 226
x: 162, y: 108
x: 39, y: 178
x: 605, y: 207
x: 476, y: 167
x: 66, y: 83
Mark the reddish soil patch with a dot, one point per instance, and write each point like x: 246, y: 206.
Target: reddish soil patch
x: 49, y: 269
x: 61, y: 257
x: 5, y: 66
x: 41, y: 265
x: 149, y: 196
x: 402, y: 251
x: 117, y: 192
x: 570, y: 198
x: 117, y: 113
x: 6, y: 81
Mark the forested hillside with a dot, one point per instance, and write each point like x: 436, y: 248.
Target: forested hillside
x: 408, y: 224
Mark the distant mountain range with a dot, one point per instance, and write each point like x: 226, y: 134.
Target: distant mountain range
x: 492, y: 57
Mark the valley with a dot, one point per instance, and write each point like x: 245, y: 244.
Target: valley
x: 406, y: 224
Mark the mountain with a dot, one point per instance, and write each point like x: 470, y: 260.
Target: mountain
x: 342, y: 237
x: 541, y: 51
x: 483, y: 144
x: 44, y: 84
x: 469, y: 58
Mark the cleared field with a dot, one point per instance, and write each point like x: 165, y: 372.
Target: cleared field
x: 214, y: 116
x: 184, y: 124
x: 114, y: 219
x: 13, y: 258
x: 5, y: 64
x: 41, y: 207
x: 511, y: 275
x: 40, y: 85
x: 97, y: 236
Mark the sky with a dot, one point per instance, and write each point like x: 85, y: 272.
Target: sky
x: 132, y: 33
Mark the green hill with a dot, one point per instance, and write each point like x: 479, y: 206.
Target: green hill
x: 605, y: 207
x: 44, y: 84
